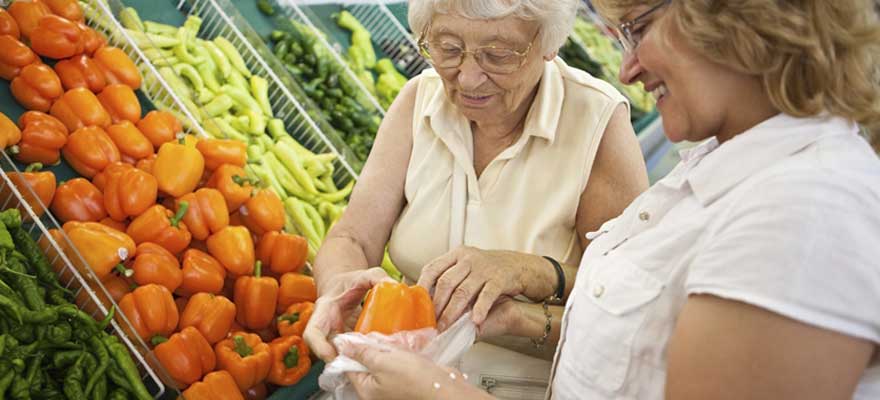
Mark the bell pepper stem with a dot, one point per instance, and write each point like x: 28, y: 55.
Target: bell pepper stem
x: 291, y: 359
x: 126, y: 272
x: 34, y: 167
x: 290, y: 318
x: 181, y: 211
x: 258, y: 269
x: 241, y: 347
x: 158, y: 339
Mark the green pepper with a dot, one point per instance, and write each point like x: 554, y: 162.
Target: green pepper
x: 265, y: 7
x: 338, y: 196
x: 124, y: 362
x: 189, y: 73
x: 219, y: 58
x: 63, y: 359
x: 12, y: 308
x: 260, y: 91
x: 29, y: 248
x: 73, y: 380
x: 233, y: 55
x: 21, y: 388
x: 6, y: 380
x: 59, y: 332
x: 118, y: 394
x: 100, y: 351
x: 10, y: 293
x: 84, y: 325
x: 292, y: 161
x: 131, y: 20
x: 159, y: 28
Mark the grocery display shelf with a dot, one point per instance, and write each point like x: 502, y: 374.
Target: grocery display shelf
x: 73, y: 274
x: 221, y: 18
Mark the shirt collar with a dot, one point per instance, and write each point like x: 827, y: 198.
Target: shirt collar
x: 721, y: 167
x: 541, y: 120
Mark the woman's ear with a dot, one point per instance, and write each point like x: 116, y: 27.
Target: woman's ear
x: 551, y: 56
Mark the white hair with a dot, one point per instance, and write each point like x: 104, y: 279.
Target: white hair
x: 555, y: 17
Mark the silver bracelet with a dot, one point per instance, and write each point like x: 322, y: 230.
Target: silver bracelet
x: 541, y: 341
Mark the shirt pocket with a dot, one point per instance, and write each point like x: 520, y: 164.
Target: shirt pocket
x: 612, y: 308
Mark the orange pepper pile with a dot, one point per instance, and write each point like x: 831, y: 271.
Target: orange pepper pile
x: 192, y: 250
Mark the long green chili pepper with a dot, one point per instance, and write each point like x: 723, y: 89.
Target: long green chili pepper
x: 59, y: 297
x: 59, y: 332
x: 28, y: 288
x: 104, y: 323
x: 6, y: 380
x: 100, y: 389
x: 22, y: 333
x: 83, y: 323
x: 63, y: 359
x: 12, y: 308
x: 100, y: 351
x: 11, y: 218
x: 118, y: 394
x: 129, y: 369
x: 6, y: 290
x: 119, y: 380
x: 27, y: 246
x: 73, y: 380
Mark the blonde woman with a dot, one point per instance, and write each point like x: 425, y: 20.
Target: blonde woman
x: 751, y: 271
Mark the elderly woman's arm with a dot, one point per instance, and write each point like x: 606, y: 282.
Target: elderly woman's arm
x: 357, y: 241
x: 471, y: 276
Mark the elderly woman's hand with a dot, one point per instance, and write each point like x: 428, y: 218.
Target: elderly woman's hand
x: 334, y: 312
x: 397, y: 374
x: 468, y: 276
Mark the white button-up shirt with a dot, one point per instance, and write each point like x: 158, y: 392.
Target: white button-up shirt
x: 785, y: 217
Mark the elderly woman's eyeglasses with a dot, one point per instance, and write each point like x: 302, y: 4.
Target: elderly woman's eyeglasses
x: 630, y: 34
x: 492, y: 59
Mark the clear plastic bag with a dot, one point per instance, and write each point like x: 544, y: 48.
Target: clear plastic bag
x: 444, y: 349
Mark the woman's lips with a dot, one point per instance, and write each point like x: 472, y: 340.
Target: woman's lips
x: 475, y: 100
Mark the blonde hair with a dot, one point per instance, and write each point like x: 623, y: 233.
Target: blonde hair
x: 814, y: 56
x: 555, y: 17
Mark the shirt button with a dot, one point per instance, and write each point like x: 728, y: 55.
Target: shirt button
x: 598, y: 291
x: 644, y: 216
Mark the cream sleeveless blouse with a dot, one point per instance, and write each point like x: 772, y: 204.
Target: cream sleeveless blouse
x: 527, y: 198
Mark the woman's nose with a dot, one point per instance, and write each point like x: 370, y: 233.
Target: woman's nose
x: 470, y: 74
x: 630, y: 68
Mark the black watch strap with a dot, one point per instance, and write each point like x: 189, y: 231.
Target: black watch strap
x: 560, y: 279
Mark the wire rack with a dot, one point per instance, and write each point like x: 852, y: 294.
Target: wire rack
x: 290, y: 9
x: 90, y: 294
x: 391, y: 36
x: 220, y: 18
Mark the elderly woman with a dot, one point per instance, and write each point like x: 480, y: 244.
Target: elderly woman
x: 751, y: 271
x: 493, y: 164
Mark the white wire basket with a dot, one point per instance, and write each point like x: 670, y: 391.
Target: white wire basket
x: 73, y: 274
x: 221, y: 18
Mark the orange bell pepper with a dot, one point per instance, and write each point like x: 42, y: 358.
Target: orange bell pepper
x: 233, y: 183
x: 78, y: 200
x: 160, y: 226
x: 8, y: 26
x: 245, y: 357
x: 81, y: 71
x: 218, y: 385
x: 223, y: 151
x: 101, y: 247
x: 186, y: 356
x: 290, y: 360
x: 121, y: 103
x: 153, y: 264
x: 14, y: 56
x: 92, y: 40
x: 118, y: 67
x: 146, y: 164
x: 392, y: 307
x: 263, y: 212
x: 296, y: 288
x: 132, y: 144
x: 283, y: 252
x: 42, y: 138
x: 234, y: 248
x: 89, y: 150
x: 129, y: 192
x: 36, y: 87
x: 117, y: 287
x: 10, y: 134
x: 42, y: 183
x: 178, y: 168
x: 68, y: 9
x: 212, y: 315
x: 294, y: 319
x: 112, y: 223
x: 56, y: 38
x: 207, y: 212
x: 151, y: 311
x: 201, y: 274
x: 254, y: 298
x: 100, y: 179
x: 160, y: 127
x: 27, y: 14
x: 258, y: 392
x: 79, y: 108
